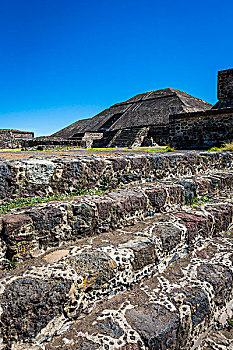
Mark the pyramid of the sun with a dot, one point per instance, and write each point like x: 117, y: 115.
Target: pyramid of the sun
x: 150, y: 108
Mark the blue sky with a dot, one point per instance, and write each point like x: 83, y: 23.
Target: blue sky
x: 64, y: 60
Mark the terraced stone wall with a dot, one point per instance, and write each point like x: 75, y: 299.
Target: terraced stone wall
x: 145, y: 266
x: 159, y: 133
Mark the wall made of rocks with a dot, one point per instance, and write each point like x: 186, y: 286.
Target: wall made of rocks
x: 36, y: 176
x: 201, y: 130
x: 48, y: 143
x: 160, y: 135
x: 225, y: 84
x: 8, y: 138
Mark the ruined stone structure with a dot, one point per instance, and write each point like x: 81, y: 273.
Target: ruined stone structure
x: 145, y: 263
x: 168, y: 116
x: 151, y: 108
x: 126, y: 251
x: 225, y: 89
x: 9, y: 137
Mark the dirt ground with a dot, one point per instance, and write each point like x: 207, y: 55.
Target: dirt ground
x: 24, y: 155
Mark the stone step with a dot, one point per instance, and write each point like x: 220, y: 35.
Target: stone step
x: 172, y: 310
x: 126, y: 137
x: 50, y: 175
x: 31, y: 230
x: 160, y: 285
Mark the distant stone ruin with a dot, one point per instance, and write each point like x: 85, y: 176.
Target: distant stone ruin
x: 168, y: 116
x: 14, y: 138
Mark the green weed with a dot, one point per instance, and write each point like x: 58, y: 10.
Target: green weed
x: 197, y: 201
x: 33, y: 201
x: 228, y: 146
x: 10, y: 264
x: 230, y: 322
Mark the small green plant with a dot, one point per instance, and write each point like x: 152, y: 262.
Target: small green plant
x: 33, y: 201
x: 170, y: 149
x: 10, y: 264
x: 230, y: 322
x: 107, y: 184
x: 195, y: 201
x: 228, y: 146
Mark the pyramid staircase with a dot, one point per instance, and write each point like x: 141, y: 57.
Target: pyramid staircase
x: 145, y: 265
x: 129, y: 137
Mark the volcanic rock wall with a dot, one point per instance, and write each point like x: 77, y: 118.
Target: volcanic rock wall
x: 201, y: 130
x: 225, y: 88
x: 8, y: 138
x: 36, y: 176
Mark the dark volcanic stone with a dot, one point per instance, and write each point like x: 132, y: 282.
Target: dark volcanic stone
x: 196, y: 225
x: 222, y: 216
x: 157, y: 196
x: 12, y: 223
x: 200, y: 308
x: 97, y: 268
x: 189, y: 188
x: 144, y: 253
x: 156, y: 325
x: 221, y: 279
x: 169, y: 234
x: 46, y: 219
x: 28, y: 305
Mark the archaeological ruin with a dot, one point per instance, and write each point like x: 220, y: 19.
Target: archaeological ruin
x: 169, y: 116
x: 10, y: 138
x: 122, y: 250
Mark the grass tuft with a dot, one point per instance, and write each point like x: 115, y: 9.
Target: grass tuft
x: 228, y: 146
x: 33, y: 201
x: 10, y: 264
x: 195, y: 201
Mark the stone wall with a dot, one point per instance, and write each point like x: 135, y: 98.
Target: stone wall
x: 198, y: 130
x: 201, y: 130
x: 129, y: 269
x: 9, y: 137
x: 225, y: 85
x: 51, y: 175
x: 159, y: 133
x: 41, y: 143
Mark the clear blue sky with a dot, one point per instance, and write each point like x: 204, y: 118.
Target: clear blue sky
x: 64, y: 60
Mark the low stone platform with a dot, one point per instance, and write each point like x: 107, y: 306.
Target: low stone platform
x: 145, y: 266
x: 49, y: 175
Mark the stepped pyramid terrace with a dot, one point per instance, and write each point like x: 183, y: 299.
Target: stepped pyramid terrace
x: 153, y: 107
x: 167, y: 116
